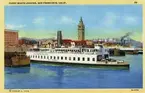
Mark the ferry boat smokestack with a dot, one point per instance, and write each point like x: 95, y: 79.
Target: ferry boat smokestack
x: 59, y: 38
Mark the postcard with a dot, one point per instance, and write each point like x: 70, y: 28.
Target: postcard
x: 62, y: 46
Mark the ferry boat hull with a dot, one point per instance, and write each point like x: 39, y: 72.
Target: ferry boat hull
x: 124, y: 65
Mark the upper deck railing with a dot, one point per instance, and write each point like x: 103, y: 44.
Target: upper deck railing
x: 70, y: 50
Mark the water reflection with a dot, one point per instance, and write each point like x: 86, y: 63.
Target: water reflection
x: 11, y: 70
x: 62, y: 74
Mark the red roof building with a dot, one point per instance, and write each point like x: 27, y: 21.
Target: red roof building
x: 77, y: 43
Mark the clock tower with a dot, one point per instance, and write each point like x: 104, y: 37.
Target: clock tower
x: 81, y: 30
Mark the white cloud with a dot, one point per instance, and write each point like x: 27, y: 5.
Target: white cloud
x: 12, y: 26
x: 110, y: 19
x: 131, y: 20
x: 66, y: 20
x: 38, y: 20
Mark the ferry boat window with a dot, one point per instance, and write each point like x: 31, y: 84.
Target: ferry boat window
x: 61, y: 58
x: 38, y: 56
x: 69, y: 58
x: 83, y: 59
x: 41, y: 56
x: 74, y: 58
x: 50, y: 57
x: 88, y: 59
x: 65, y: 58
x: 78, y: 58
x: 93, y: 59
x: 44, y: 57
x: 57, y: 57
x: 106, y: 56
x: 54, y: 57
x: 47, y: 57
x: 99, y: 57
x: 90, y: 50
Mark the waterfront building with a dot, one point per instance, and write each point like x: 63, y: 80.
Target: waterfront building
x: 27, y: 41
x: 48, y: 43
x: 11, y: 37
x: 89, y: 43
x: 66, y: 42
x: 81, y: 30
x: 77, y: 43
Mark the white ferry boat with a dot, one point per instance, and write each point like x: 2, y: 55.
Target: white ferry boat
x: 97, y: 56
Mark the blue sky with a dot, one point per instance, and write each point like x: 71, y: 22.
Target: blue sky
x: 101, y: 21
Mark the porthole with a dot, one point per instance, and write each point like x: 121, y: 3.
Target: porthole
x: 69, y: 58
x: 93, y: 59
x: 78, y: 58
x: 83, y: 59
x: 61, y: 58
x: 74, y: 58
x: 88, y: 59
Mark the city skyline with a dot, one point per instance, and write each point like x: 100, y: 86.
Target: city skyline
x: 101, y: 21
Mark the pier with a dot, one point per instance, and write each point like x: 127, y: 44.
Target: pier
x: 16, y: 59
